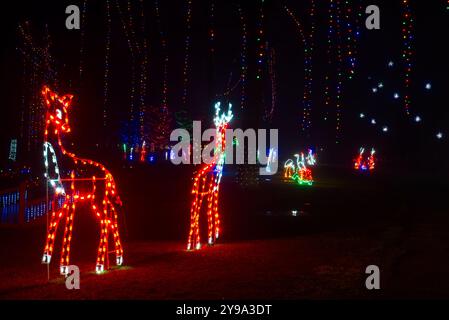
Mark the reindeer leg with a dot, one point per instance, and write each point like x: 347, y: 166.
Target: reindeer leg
x: 215, y: 211
x: 197, y: 218
x: 51, y: 233
x: 102, y: 247
x: 65, y: 255
x: 210, y: 225
x: 115, y: 233
x: 193, y: 213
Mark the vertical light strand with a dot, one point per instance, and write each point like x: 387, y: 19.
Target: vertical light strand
x: 243, y: 57
x: 188, y: 21
x: 163, y: 40
x: 307, y: 90
x: 309, y: 67
x: 260, y: 42
x: 132, y: 50
x: 272, y: 74
x: 407, y: 30
x: 329, y: 51
x: 82, y: 37
x: 338, y: 97
x: 106, y: 64
x: 143, y: 80
x: 211, y: 30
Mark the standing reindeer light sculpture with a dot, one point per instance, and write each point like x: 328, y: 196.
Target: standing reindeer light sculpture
x: 88, y: 181
x: 206, y: 182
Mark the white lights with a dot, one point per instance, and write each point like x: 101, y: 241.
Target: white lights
x: 418, y: 119
x: 373, y: 121
x: 428, y: 86
x: 385, y: 129
x: 396, y: 95
x: 439, y: 135
x: 362, y: 115
x: 374, y: 90
x: 390, y: 64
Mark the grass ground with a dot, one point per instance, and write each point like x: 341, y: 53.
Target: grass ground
x: 343, y: 225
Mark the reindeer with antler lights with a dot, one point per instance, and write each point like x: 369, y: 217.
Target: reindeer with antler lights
x: 206, y: 183
x: 88, y: 181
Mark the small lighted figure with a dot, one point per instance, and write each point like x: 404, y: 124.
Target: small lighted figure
x: 289, y: 168
x: 365, y: 164
x: 303, y: 174
x: 206, y: 183
x: 298, y: 171
x: 311, y: 158
x: 77, y: 187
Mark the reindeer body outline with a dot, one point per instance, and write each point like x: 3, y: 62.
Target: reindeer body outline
x: 56, y: 123
x: 206, y: 182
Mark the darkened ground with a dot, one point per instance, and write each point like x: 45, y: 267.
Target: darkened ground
x: 346, y: 221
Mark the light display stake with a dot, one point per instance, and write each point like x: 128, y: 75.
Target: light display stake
x: 206, y: 182
x: 72, y: 188
x: 365, y: 164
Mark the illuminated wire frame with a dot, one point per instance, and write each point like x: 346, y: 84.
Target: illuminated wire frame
x: 365, y: 164
x: 311, y: 158
x: 300, y: 172
x: 73, y: 188
x: 206, y: 183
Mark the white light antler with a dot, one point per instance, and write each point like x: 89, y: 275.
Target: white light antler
x: 224, y: 118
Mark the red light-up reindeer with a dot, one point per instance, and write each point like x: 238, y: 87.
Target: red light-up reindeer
x: 206, y: 183
x: 72, y: 187
x: 365, y: 164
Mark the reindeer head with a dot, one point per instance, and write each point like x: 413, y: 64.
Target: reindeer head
x: 57, y: 118
x: 221, y: 120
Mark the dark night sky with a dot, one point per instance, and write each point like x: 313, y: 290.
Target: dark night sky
x: 209, y: 79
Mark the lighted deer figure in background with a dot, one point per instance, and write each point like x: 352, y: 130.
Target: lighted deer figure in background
x: 73, y: 187
x: 206, y: 182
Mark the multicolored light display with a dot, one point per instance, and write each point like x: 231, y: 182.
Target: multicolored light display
x: 206, y: 183
x: 299, y: 172
x: 73, y: 188
x: 363, y: 163
x: 407, y: 31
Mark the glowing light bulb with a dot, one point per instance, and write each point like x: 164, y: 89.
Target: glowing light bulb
x: 374, y: 90
x: 391, y: 64
x: 385, y: 129
x: 373, y: 121
x: 439, y: 135
x: 380, y: 85
x: 418, y: 119
x: 396, y: 96
x: 362, y: 115
x: 428, y: 86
